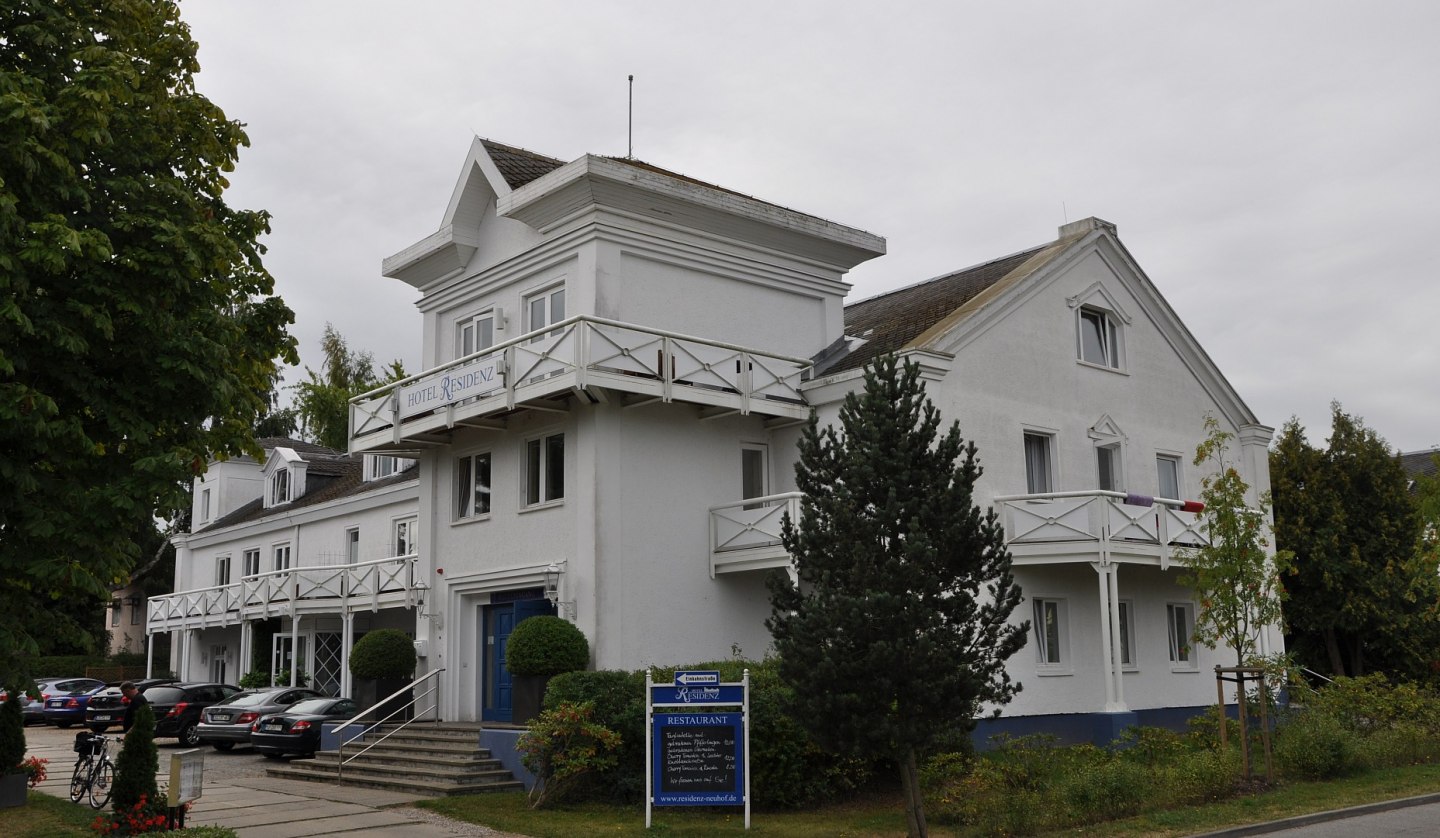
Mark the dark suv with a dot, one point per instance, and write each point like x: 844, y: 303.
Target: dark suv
x: 177, y: 707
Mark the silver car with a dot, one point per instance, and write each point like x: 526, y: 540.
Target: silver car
x: 227, y: 724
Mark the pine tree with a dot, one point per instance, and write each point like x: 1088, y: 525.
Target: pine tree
x: 898, y: 630
x: 12, y: 733
x: 137, y: 764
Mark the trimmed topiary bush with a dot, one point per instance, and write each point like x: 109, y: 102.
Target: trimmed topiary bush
x: 137, y: 764
x: 546, y: 646
x: 386, y: 653
x: 12, y: 734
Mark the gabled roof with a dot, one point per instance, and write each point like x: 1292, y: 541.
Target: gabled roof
x: 889, y: 322
x: 517, y: 165
x: 1419, y: 463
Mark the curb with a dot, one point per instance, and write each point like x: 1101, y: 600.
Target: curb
x: 1321, y: 817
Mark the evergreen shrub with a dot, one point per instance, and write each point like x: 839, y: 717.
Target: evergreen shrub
x: 137, y: 765
x: 546, y: 645
x: 384, y: 653
x: 12, y: 734
x: 1314, y: 746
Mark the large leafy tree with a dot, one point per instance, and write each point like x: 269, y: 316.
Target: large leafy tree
x: 1358, y: 590
x: 898, y: 630
x: 322, y: 400
x: 1235, y: 576
x: 138, y: 326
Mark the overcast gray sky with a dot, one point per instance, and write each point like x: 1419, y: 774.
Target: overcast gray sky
x: 1272, y: 166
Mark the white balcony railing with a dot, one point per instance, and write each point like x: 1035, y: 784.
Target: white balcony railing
x: 577, y: 353
x: 1112, y: 521
x: 745, y: 535
x: 326, y: 588
x: 1098, y: 525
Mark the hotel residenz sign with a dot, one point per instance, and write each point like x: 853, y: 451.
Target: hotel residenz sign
x: 450, y: 387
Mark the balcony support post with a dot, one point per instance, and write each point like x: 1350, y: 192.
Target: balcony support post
x: 149, y: 655
x: 247, y: 641
x: 1108, y: 577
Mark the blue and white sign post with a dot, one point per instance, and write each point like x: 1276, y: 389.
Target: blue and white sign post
x: 697, y: 753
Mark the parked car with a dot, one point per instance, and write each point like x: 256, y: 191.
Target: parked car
x: 107, y: 707
x: 65, y: 704
x: 177, y: 708
x: 297, y: 730
x: 32, y: 710
x: 227, y: 724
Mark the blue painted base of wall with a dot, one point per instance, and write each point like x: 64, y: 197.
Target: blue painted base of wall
x: 501, y: 744
x: 1078, y: 728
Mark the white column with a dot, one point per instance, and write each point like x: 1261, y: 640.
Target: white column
x: 1117, y: 659
x: 1102, y: 573
x: 149, y: 655
x: 347, y: 642
x: 247, y: 641
x: 294, y: 647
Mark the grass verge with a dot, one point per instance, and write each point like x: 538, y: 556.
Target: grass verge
x: 882, y: 816
x: 44, y: 816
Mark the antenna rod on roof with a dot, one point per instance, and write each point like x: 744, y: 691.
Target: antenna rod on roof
x: 630, y: 139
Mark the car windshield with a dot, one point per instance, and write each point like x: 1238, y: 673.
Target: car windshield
x: 314, y: 705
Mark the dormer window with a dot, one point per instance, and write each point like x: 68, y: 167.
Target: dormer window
x: 380, y: 466
x: 280, y: 487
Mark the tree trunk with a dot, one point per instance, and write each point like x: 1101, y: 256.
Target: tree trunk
x: 1332, y: 645
x: 914, y: 806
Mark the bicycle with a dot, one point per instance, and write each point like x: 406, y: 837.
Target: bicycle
x: 94, y: 772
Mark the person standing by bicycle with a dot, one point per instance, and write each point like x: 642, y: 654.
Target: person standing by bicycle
x: 134, y: 701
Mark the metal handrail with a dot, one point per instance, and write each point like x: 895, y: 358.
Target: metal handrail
x: 340, y: 759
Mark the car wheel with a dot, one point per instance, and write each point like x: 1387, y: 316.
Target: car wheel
x: 99, y: 728
x: 63, y: 725
x: 222, y: 746
x: 190, y: 735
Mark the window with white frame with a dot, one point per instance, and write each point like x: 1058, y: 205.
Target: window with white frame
x: 222, y: 570
x: 250, y: 563
x: 472, y: 486
x: 475, y: 334
x: 115, y: 606
x: 280, y: 487
x: 754, y: 472
x: 544, y: 469
x: 1180, y: 619
x: 1126, y: 609
x: 544, y: 309
x: 404, y: 543
x: 378, y: 466
x: 352, y: 545
x: 204, y: 505
x: 1039, y: 476
x: 1107, y: 468
x: 1099, y: 337
x: 282, y: 557
x: 137, y: 609
x: 1051, y: 642
x: 1167, y: 475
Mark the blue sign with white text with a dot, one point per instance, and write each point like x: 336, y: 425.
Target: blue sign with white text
x: 698, y: 759
x: 719, y: 694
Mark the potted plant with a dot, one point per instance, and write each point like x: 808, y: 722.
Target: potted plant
x: 386, y: 660
x: 541, y: 647
x: 13, y: 775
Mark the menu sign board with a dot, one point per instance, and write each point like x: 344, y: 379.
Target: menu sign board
x: 698, y: 759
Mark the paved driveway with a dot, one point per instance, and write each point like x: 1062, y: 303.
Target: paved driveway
x: 236, y: 793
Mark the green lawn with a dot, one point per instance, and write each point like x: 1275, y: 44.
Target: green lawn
x: 882, y: 816
x: 44, y: 816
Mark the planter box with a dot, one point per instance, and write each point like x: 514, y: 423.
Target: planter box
x: 13, y: 790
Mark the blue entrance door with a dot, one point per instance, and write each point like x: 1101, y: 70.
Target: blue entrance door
x: 500, y: 620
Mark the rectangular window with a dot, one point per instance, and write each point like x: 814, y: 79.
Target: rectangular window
x: 1099, y: 338
x: 378, y: 466
x: 1050, y: 631
x: 205, y: 505
x: 282, y: 557
x: 476, y: 334
x: 222, y: 570
x: 250, y: 563
x: 1107, y: 465
x: 280, y: 487
x: 545, y: 309
x: 472, y: 486
x: 545, y: 469
x: 754, y: 472
x: 137, y: 610
x: 405, y: 532
x: 1167, y: 470
x: 1180, y: 618
x: 115, y: 606
x: 1037, y: 463
x: 1127, y: 633
x: 352, y: 545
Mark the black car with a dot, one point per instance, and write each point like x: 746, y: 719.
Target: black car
x: 107, y: 707
x: 297, y: 730
x: 177, y: 708
x: 227, y: 724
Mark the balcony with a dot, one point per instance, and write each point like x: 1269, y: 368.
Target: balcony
x: 746, y: 535
x: 582, y: 355
x: 327, y: 589
x: 1048, y: 528
x: 1098, y: 526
